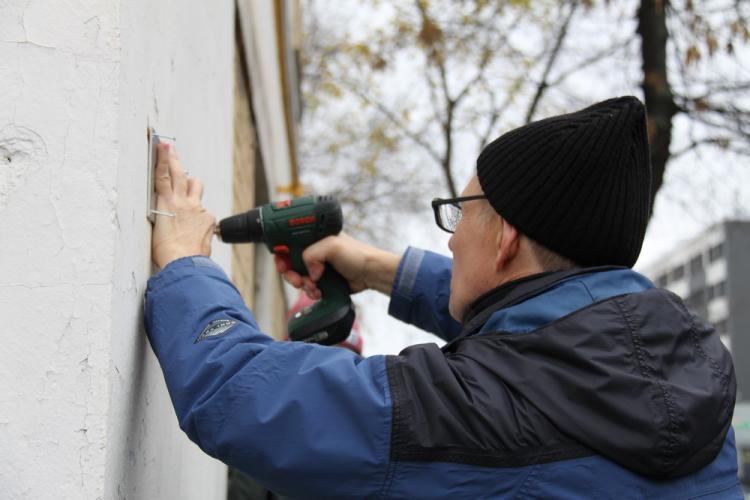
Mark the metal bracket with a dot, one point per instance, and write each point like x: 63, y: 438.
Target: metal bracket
x: 154, y: 140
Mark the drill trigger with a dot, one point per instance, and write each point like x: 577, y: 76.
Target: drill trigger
x: 282, y: 251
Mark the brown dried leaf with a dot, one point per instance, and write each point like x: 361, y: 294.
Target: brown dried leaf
x: 712, y: 43
x: 736, y: 27
x: 377, y: 63
x: 403, y: 28
x: 331, y: 89
x: 525, y: 4
x: 700, y: 104
x: 379, y: 137
x: 695, y: 23
x: 362, y: 50
x: 693, y: 55
x: 430, y: 34
x: 369, y: 165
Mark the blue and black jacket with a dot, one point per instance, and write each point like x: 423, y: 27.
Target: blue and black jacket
x: 577, y: 384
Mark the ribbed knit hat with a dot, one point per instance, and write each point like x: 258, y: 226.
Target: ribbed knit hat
x: 579, y: 183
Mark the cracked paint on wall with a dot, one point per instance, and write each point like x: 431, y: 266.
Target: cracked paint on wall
x: 21, y: 151
x: 176, y: 75
x: 58, y: 165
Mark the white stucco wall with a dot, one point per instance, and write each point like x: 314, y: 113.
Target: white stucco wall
x: 83, y: 408
x: 177, y: 75
x: 59, y: 150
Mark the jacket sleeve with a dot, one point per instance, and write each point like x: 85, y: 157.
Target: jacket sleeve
x: 421, y: 292
x: 305, y: 420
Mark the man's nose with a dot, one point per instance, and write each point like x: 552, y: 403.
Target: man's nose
x: 450, y: 242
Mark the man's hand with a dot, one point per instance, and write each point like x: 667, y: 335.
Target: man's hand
x: 363, y: 266
x: 190, y: 231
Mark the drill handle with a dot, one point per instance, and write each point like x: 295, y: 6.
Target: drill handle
x: 328, y: 321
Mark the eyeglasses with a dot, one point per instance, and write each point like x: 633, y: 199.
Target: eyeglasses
x: 448, y: 211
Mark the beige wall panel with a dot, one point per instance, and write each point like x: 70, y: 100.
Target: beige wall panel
x: 243, y: 177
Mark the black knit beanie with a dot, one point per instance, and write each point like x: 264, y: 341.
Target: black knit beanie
x: 579, y: 184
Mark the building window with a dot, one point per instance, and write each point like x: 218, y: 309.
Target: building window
x: 716, y: 291
x: 696, y: 264
x: 716, y: 252
x: 697, y: 299
x: 677, y: 273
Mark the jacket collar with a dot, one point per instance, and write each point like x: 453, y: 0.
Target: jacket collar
x: 499, y: 294
x: 515, y: 292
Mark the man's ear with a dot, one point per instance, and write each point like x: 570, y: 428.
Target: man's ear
x: 507, y: 244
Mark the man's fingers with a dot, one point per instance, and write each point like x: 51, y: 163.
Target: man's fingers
x: 163, y: 181
x: 303, y: 282
x: 316, y: 255
x: 195, y: 188
x: 280, y: 263
x: 208, y: 236
x: 310, y: 288
x: 308, y: 284
x: 293, y: 279
x: 179, y: 179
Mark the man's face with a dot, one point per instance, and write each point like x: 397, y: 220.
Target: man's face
x: 474, y: 247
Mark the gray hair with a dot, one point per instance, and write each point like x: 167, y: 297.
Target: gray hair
x: 547, y: 259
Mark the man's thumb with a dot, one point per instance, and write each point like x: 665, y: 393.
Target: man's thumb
x: 315, y: 257
x: 316, y: 270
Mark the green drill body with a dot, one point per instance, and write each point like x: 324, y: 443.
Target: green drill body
x: 287, y: 228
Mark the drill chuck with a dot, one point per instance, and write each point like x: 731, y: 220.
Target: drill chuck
x: 246, y: 227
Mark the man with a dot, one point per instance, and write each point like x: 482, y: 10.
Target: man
x: 565, y: 375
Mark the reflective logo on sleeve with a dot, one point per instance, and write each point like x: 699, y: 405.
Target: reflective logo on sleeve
x: 215, y: 328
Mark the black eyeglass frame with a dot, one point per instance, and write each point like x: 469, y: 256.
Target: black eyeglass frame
x: 437, y: 202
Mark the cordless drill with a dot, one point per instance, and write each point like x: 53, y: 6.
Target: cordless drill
x: 287, y: 228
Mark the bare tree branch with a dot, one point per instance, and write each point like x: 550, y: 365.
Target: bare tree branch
x: 720, y: 88
x: 393, y: 118
x: 696, y: 143
x: 495, y: 115
x: 589, y: 61
x: 438, y: 60
x: 542, y: 87
x: 485, y: 58
x: 432, y: 85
